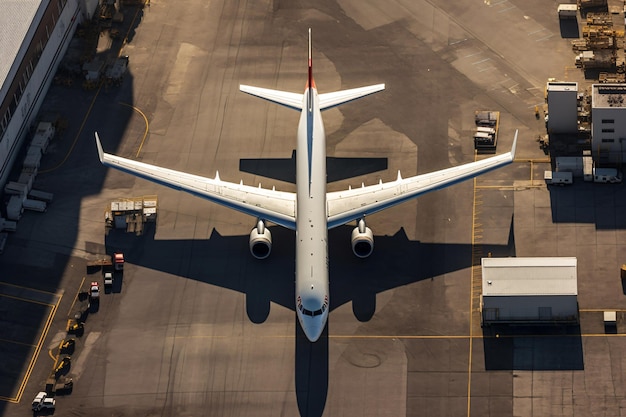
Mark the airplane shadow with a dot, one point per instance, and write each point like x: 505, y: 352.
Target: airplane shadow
x: 337, y: 168
x: 224, y: 261
x: 311, y: 364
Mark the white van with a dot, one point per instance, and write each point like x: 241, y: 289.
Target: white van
x: 610, y: 175
x: 42, y: 401
x: 38, y: 400
x: 558, y: 178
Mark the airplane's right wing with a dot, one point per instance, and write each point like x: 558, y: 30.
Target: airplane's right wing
x: 276, y: 206
x: 355, y: 203
x: 330, y: 100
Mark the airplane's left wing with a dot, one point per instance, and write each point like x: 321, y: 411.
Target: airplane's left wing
x: 285, y: 98
x: 276, y: 206
x: 353, y: 204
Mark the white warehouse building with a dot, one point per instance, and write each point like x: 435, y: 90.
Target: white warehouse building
x: 34, y: 35
x: 529, y: 290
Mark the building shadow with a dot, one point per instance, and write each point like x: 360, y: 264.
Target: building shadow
x: 569, y: 28
x: 533, y: 348
x: 588, y: 202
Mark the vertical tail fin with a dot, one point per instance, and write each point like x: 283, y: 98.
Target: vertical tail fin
x: 326, y: 100
x: 310, y: 83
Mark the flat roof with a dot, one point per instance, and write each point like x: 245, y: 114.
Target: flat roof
x: 529, y: 276
x: 563, y: 86
x: 15, y: 20
x: 608, y: 95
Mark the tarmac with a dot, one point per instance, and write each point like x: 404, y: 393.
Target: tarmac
x: 196, y: 326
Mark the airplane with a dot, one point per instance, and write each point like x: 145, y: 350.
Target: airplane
x: 311, y: 211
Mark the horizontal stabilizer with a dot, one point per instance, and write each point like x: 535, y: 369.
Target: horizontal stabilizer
x: 330, y: 100
x: 285, y: 98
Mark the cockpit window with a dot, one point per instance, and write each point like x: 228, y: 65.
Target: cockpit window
x: 310, y: 313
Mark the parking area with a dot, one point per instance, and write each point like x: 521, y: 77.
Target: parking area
x: 27, y: 314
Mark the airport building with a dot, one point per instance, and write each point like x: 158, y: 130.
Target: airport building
x: 600, y: 118
x: 562, y: 98
x: 34, y: 36
x: 608, y: 123
x: 540, y: 290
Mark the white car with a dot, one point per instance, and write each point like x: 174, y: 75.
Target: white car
x: 42, y: 401
x: 39, y: 399
x: 108, y: 279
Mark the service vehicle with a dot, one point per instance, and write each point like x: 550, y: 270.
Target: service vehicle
x: 41, y: 395
x: 610, y: 175
x: 558, y: 178
x: 63, y: 366
x: 108, y: 279
x: 42, y: 401
x: 75, y: 327
x: 94, y: 291
x: 62, y: 386
x: 486, y: 134
x: 67, y: 346
x: 116, y: 261
x: 567, y: 11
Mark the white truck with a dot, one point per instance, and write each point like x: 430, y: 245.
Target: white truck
x: 567, y: 11
x: 42, y: 401
x: 558, y: 178
x: 607, y: 175
x: 108, y: 279
x: 486, y: 134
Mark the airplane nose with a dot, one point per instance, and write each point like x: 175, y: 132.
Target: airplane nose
x: 313, y: 327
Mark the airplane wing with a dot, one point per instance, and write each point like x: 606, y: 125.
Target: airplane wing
x: 352, y: 204
x: 330, y: 100
x: 276, y: 206
x: 285, y: 98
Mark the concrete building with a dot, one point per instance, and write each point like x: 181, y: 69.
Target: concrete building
x: 34, y: 36
x: 529, y: 290
x: 562, y: 100
x: 608, y: 124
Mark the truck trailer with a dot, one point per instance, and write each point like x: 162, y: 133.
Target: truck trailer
x: 567, y: 11
x: 486, y: 134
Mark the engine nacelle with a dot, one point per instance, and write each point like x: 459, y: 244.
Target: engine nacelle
x: 260, y: 241
x: 362, y: 240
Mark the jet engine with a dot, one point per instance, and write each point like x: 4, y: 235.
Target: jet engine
x: 260, y: 241
x: 362, y: 240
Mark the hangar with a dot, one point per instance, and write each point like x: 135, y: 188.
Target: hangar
x: 538, y: 290
x: 34, y: 35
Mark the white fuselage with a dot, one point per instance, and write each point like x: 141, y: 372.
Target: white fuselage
x: 312, y: 292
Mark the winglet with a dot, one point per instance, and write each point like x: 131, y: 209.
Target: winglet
x: 514, y: 147
x: 99, y: 146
